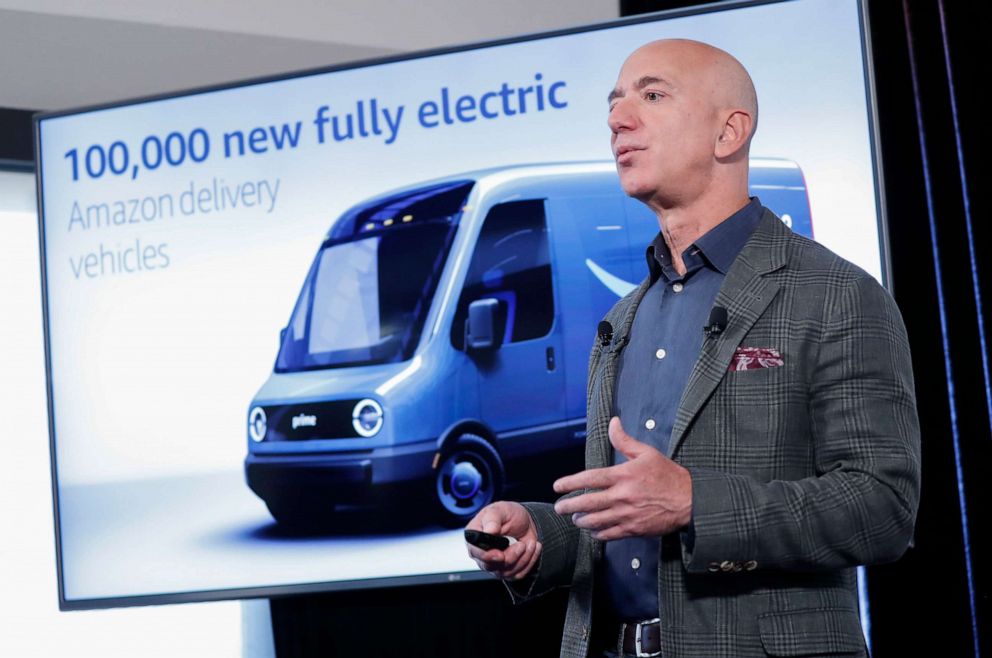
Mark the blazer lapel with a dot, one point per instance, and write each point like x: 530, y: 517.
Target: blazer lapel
x: 745, y: 293
x: 604, y: 397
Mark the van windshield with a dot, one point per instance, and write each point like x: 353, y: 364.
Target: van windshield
x: 368, y: 291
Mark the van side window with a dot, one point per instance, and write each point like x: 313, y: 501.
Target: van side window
x: 511, y: 264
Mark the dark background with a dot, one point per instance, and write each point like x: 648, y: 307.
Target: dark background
x: 926, y: 64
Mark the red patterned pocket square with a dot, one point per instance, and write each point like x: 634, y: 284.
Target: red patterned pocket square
x: 752, y: 358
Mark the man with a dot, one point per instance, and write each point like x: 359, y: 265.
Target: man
x: 735, y: 477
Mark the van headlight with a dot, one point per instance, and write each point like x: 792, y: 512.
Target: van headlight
x: 257, y: 424
x: 366, y: 417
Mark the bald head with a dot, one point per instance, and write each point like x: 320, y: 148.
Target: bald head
x: 682, y: 115
x: 713, y: 73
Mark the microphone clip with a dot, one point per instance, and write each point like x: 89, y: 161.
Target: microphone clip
x: 713, y: 330
x: 717, y: 323
x: 605, y: 331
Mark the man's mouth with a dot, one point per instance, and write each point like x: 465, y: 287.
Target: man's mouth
x: 625, y: 154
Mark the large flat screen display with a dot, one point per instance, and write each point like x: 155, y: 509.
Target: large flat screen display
x: 299, y: 330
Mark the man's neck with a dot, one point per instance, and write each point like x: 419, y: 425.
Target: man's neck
x: 681, y: 226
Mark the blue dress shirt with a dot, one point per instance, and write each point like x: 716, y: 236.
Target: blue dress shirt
x: 665, y: 341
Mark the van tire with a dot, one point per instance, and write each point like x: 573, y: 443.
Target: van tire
x: 469, y: 477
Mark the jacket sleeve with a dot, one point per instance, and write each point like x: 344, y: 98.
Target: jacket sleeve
x: 559, y: 541
x: 860, y: 505
x: 559, y: 537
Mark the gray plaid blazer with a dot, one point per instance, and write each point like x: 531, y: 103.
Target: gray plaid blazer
x: 800, y: 472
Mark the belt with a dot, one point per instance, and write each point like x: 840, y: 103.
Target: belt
x: 641, y: 638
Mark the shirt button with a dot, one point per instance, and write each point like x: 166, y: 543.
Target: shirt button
x: 649, y: 423
x: 660, y: 353
x: 635, y: 564
x: 677, y: 287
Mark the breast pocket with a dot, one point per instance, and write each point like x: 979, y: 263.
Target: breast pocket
x: 760, y: 412
x: 760, y: 385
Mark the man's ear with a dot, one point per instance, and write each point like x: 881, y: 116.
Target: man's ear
x: 735, y: 134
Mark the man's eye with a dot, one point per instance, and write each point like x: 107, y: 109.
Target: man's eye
x: 652, y: 95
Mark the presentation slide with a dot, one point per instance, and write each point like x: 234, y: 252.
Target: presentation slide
x: 300, y: 330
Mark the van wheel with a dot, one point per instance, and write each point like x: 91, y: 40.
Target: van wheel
x: 470, y: 476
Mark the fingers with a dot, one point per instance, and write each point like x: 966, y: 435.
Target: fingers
x: 590, y: 502
x: 492, y: 560
x: 532, y: 562
x: 492, y: 525
x: 493, y: 556
x: 526, y: 562
x: 493, y: 518
x: 624, y: 443
x: 596, y: 478
x: 615, y: 428
x: 618, y: 437
x: 512, y: 558
x: 489, y: 519
x: 503, y: 518
x: 476, y: 553
x: 511, y: 563
x: 611, y: 533
x: 597, y: 521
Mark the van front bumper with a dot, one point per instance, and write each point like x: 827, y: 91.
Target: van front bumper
x: 347, y: 477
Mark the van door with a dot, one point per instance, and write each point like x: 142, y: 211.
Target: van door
x: 593, y: 270
x: 522, y: 383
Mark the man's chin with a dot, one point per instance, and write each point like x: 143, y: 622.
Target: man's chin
x: 635, y: 189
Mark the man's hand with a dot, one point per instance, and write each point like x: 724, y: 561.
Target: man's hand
x: 647, y: 496
x: 512, y: 520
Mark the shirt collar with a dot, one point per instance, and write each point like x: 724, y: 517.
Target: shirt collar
x: 719, y: 246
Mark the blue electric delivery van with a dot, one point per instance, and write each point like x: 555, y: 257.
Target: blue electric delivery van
x: 440, y: 342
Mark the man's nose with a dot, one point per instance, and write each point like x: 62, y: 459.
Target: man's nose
x: 621, y: 117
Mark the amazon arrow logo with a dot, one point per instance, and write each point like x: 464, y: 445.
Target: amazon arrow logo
x: 618, y: 286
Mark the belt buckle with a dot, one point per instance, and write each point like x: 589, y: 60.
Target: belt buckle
x: 637, y: 639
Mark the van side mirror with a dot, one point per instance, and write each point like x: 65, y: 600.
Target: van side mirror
x: 484, y: 327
